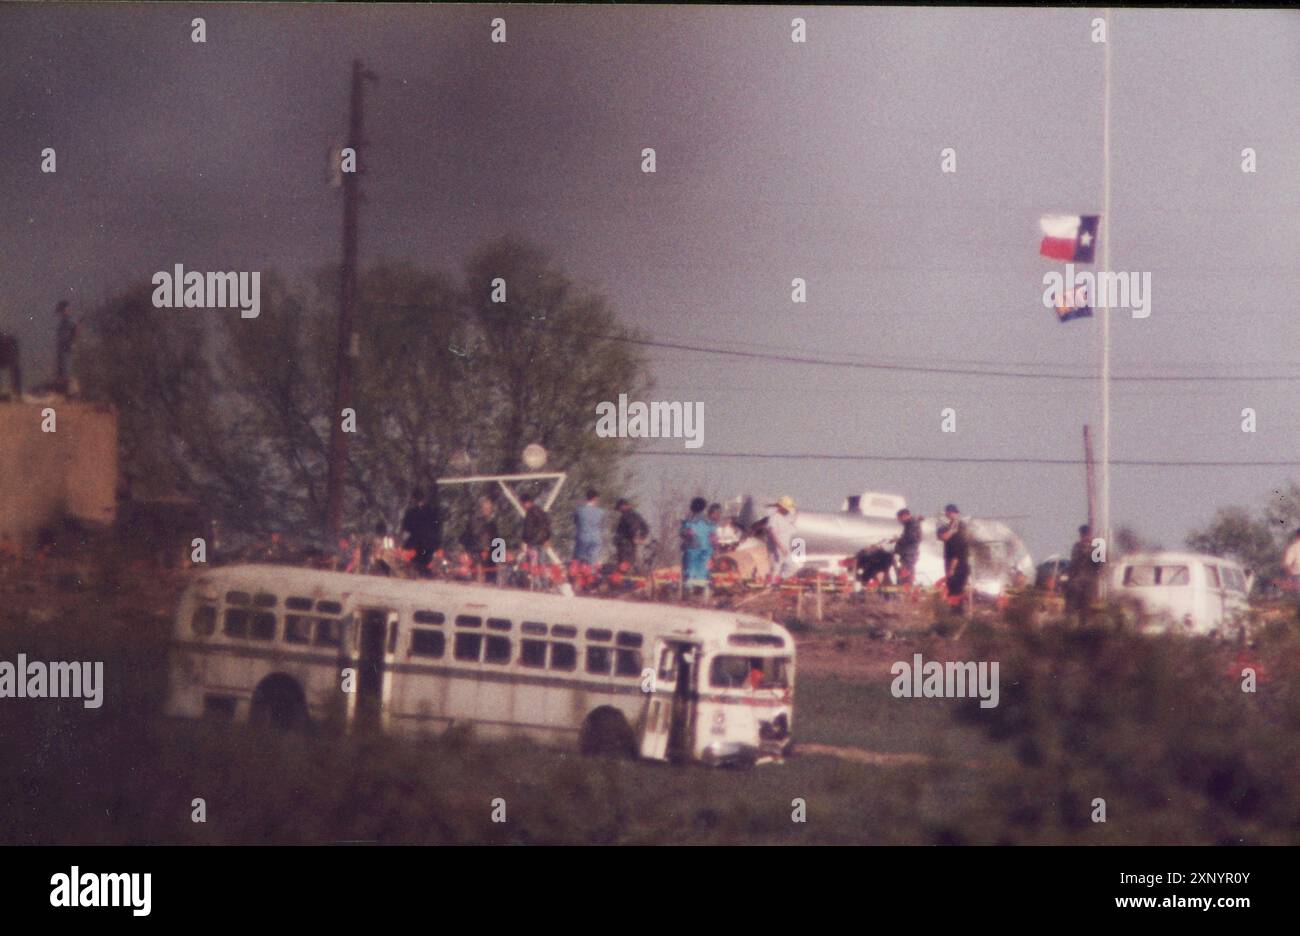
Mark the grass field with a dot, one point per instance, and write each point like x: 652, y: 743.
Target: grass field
x: 1158, y: 729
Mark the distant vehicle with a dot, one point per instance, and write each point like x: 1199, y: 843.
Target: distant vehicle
x: 1052, y: 574
x: 998, y: 556
x: 1181, y: 592
x: 278, y: 644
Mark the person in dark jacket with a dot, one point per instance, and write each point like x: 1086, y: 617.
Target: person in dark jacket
x: 956, y: 557
x: 1083, y: 574
x: 422, y: 525
x: 537, y: 529
x: 908, y: 547
x: 630, y: 532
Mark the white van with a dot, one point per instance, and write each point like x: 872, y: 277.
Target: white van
x: 1183, y: 593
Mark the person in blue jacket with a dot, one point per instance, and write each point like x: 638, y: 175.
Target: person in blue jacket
x: 697, y: 546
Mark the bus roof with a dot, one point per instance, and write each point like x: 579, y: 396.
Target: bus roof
x: 650, y: 616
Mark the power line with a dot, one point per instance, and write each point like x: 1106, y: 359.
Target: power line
x: 911, y: 368
x: 946, y: 459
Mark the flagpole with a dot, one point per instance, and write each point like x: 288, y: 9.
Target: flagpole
x: 1103, y: 302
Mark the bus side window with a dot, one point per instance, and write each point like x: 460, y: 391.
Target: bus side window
x: 236, y: 622
x: 297, y: 628
x: 467, y: 646
x: 627, y: 663
x: 263, y: 626
x: 329, y: 632
x: 428, y: 643
x: 204, y: 621
x: 564, y: 656
x: 599, y: 660
x: 532, y: 653
x: 497, y: 649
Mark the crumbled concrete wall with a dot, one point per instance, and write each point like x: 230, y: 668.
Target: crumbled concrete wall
x: 44, y: 476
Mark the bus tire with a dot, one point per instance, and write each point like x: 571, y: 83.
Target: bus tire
x: 278, y: 702
x: 607, y: 733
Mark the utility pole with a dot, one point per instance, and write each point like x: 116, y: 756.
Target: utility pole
x: 1091, y: 477
x: 347, y: 339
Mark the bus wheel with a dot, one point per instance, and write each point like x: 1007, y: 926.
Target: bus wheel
x: 279, y: 703
x: 606, y: 732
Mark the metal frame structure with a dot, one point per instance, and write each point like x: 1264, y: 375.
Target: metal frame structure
x: 503, y: 481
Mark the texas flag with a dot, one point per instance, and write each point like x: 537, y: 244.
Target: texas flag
x: 1069, y: 237
x: 1074, y: 304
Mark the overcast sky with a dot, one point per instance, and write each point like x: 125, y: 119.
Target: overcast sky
x: 775, y: 160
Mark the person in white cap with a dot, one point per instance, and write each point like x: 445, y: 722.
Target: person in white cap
x: 780, y: 537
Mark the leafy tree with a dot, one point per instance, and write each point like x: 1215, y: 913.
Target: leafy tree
x: 237, y: 412
x: 1234, y: 533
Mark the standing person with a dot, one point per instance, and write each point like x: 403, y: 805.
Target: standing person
x: 697, y: 547
x: 1083, y: 572
x: 780, y: 537
x: 423, y: 529
x: 479, y: 539
x: 956, y: 558
x: 536, y: 533
x: 630, y: 533
x: 908, y: 547
x: 64, y: 338
x: 588, y: 522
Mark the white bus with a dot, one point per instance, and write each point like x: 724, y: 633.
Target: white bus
x: 292, y: 646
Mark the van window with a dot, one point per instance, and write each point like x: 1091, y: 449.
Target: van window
x: 298, y: 604
x: 533, y: 627
x: 1236, y: 581
x: 329, y: 607
x: 428, y: 617
x: 1142, y: 576
x: 501, y: 624
x: 1212, y: 576
x: 468, y: 620
x: 265, y: 600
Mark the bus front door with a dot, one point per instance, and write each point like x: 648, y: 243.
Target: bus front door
x: 667, y: 727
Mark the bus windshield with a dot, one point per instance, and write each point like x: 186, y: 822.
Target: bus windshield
x: 744, y: 672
